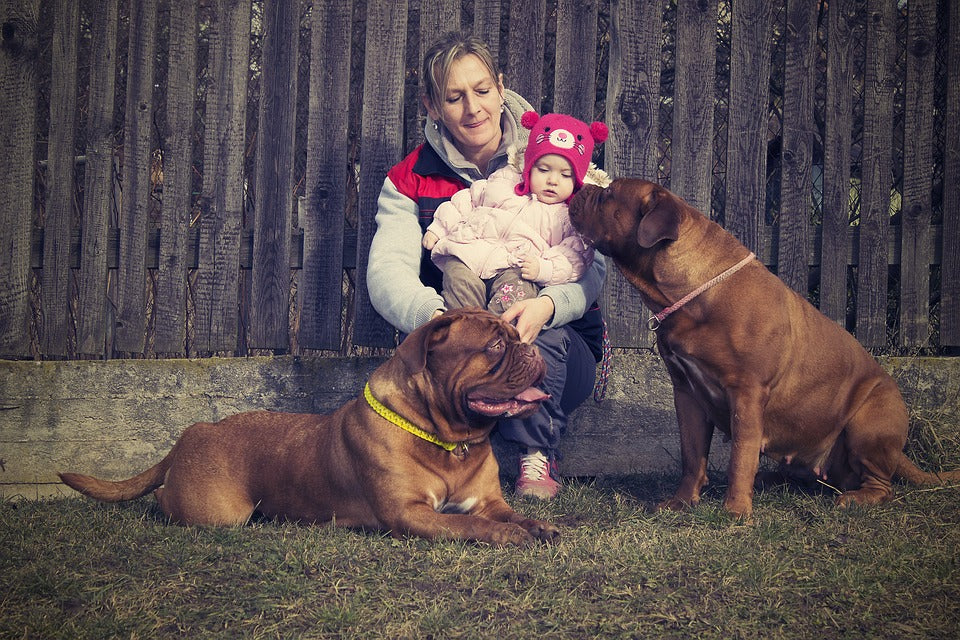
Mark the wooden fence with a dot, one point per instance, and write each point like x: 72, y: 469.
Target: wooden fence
x: 197, y: 177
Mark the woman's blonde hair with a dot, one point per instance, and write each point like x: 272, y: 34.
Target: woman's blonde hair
x: 444, y: 52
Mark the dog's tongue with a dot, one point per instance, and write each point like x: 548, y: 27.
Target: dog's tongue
x: 522, y: 403
x: 531, y: 395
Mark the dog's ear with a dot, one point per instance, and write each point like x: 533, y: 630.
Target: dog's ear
x: 415, y: 347
x: 661, y: 220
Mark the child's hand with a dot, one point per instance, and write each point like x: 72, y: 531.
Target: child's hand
x: 429, y: 240
x: 530, y: 267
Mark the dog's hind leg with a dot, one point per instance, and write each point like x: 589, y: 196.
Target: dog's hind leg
x: 875, y: 437
x: 205, y: 503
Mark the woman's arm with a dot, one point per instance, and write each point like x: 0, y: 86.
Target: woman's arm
x: 571, y: 300
x: 393, y: 267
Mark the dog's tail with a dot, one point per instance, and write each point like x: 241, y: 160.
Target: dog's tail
x: 108, y: 491
x: 908, y: 471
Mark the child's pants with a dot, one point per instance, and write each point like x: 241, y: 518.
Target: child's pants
x: 463, y: 288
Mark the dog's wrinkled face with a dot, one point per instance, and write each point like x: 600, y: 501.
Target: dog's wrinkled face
x: 479, y: 362
x: 627, y: 216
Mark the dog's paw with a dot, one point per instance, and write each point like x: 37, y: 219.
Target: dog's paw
x: 864, y: 496
x: 740, y: 509
x: 541, y: 530
x: 676, y: 504
x: 511, y: 535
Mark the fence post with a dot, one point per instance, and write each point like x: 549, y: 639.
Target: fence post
x: 633, y: 100
x: 222, y: 197
x: 171, y: 302
x: 915, y: 251
x: 381, y: 145
x: 877, y: 171
x: 61, y: 182
x: 950, y: 268
x: 747, y: 123
x: 270, y: 278
x: 319, y: 291
x: 98, y: 200
x: 137, y: 158
x: 691, y: 176
x: 19, y: 78
x: 838, y: 117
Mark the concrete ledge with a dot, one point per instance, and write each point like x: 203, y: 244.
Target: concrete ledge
x: 115, y: 418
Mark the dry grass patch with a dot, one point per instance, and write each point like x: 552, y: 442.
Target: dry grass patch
x: 75, y: 569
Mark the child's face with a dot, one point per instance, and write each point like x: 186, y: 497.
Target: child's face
x: 551, y: 179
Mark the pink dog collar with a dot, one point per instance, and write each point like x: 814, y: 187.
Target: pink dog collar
x: 656, y: 320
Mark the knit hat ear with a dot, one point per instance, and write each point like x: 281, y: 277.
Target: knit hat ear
x: 599, y: 131
x: 529, y: 119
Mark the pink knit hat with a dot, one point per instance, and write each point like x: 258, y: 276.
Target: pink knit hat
x: 563, y: 135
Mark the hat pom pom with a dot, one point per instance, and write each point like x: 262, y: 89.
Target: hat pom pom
x: 599, y: 131
x: 529, y: 119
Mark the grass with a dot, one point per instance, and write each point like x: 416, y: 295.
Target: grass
x: 72, y: 568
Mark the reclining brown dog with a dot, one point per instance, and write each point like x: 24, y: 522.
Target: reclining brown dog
x: 411, y: 456
x: 749, y: 356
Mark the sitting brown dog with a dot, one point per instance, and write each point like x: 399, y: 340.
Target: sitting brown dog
x: 411, y: 456
x: 748, y: 355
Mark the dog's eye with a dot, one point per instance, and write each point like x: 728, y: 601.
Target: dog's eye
x: 495, y: 347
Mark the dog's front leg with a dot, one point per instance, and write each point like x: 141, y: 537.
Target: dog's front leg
x: 499, y: 511
x: 746, y: 434
x: 422, y: 520
x: 696, y: 431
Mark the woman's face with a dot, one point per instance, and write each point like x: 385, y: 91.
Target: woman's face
x: 470, y: 109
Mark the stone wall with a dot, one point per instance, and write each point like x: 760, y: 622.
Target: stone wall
x: 115, y: 418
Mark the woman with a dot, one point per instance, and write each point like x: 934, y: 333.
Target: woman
x: 472, y: 120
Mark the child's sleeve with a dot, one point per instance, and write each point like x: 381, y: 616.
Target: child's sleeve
x: 451, y: 213
x: 565, y: 262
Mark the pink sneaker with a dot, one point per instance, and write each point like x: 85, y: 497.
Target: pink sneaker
x: 535, y: 477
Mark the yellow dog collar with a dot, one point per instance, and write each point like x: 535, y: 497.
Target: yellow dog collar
x: 406, y: 425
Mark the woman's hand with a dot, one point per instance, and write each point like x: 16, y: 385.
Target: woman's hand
x: 530, y: 315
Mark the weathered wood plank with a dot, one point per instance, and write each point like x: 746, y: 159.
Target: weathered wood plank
x: 633, y: 98
x: 747, y: 121
x: 917, y: 180
x: 320, y: 289
x: 19, y: 62
x: 437, y: 17
x: 221, y: 199
x: 381, y: 146
x: 98, y: 205
x: 575, y: 70
x: 877, y: 178
x: 691, y: 171
x: 170, y: 307
x: 270, y: 291
x: 486, y: 25
x: 950, y: 271
x: 61, y: 181
x: 138, y: 148
x: 838, y: 117
x: 797, y: 156
x: 525, y: 53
